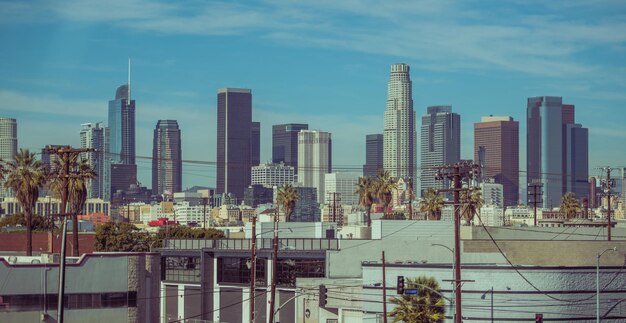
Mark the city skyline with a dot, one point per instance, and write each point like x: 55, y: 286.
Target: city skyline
x: 339, y: 87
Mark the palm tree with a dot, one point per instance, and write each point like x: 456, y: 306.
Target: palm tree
x: 24, y: 176
x: 471, y: 202
x: 411, y: 197
x: 365, y: 189
x: 81, y: 173
x: 427, y: 306
x: 570, y: 206
x: 431, y: 204
x: 287, y: 197
x: 383, y: 187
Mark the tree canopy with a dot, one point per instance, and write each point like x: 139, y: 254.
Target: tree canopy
x: 427, y: 306
x: 125, y: 237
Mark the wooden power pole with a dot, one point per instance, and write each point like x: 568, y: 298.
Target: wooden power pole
x: 252, y: 268
x: 457, y: 172
x: 66, y: 153
x: 535, y: 191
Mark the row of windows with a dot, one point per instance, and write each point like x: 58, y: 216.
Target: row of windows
x: 36, y: 302
x: 180, y: 269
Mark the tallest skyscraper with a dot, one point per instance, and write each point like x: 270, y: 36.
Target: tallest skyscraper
x: 121, y: 152
x: 399, y: 154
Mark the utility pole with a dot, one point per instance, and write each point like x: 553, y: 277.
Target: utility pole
x: 608, y: 193
x: 274, y: 265
x: 252, y: 267
x: 535, y: 192
x: 384, y: 291
x: 66, y: 153
x: 411, y: 197
x: 457, y: 172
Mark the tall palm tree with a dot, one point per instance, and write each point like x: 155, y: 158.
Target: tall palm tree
x: 427, y: 306
x: 24, y: 175
x: 411, y: 197
x: 287, y: 197
x: 471, y: 202
x: 431, y: 204
x: 81, y: 173
x: 365, y: 189
x: 570, y: 206
x: 383, y: 188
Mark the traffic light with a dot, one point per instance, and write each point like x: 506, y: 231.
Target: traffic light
x: 323, y: 296
x: 400, y: 285
x: 538, y: 318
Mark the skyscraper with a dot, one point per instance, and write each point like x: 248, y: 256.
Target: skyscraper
x: 557, y: 149
x: 8, y: 144
x: 498, y: 140
x: 285, y: 143
x: 441, y: 143
x: 94, y: 135
x: 255, y: 143
x: 122, y: 127
x: 576, y: 160
x: 167, y: 162
x: 314, y: 159
x: 373, y: 155
x: 121, y: 150
x: 399, y: 154
x: 234, y: 120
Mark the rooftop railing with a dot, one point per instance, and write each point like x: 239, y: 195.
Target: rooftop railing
x: 296, y: 244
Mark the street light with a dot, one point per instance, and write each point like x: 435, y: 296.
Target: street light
x: 453, y: 277
x: 485, y: 295
x: 598, y: 281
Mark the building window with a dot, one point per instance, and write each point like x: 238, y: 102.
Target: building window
x: 181, y: 269
x: 236, y: 271
x: 289, y: 269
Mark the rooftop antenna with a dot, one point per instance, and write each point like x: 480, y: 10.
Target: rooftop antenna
x: 129, y: 80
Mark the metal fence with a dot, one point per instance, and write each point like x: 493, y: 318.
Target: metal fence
x: 296, y: 244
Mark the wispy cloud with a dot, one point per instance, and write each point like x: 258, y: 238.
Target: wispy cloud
x: 441, y: 34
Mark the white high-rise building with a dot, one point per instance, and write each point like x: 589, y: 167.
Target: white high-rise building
x: 8, y: 144
x: 492, y: 193
x: 314, y: 159
x: 94, y: 135
x: 270, y: 175
x: 399, y: 136
x: 344, y: 184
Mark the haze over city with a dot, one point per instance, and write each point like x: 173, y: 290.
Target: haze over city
x: 322, y: 63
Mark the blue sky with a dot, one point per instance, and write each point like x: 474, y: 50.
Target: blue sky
x: 321, y: 62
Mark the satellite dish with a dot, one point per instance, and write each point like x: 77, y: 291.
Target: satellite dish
x: 12, y: 259
x: 35, y: 261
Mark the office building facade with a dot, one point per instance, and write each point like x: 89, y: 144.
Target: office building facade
x: 399, y: 134
x: 270, y: 175
x: 373, y: 154
x: 440, y: 144
x: 255, y: 143
x: 496, y: 149
x: 314, y: 159
x: 8, y: 145
x: 167, y: 164
x: 557, y: 150
x: 95, y: 136
x: 234, y: 121
x: 341, y: 187
x: 285, y: 143
x: 122, y: 127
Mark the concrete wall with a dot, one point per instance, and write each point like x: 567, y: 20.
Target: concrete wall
x: 514, y: 298
x: 93, y: 273
x: 16, y: 242
x: 412, y: 230
x: 542, y: 233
